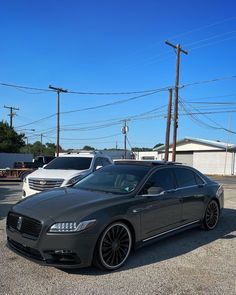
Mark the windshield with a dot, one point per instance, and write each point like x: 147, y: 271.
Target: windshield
x: 117, y: 179
x: 70, y: 163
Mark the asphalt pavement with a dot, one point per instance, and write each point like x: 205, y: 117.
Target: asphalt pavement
x: 193, y: 262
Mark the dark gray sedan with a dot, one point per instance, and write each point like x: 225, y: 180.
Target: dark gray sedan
x: 104, y: 216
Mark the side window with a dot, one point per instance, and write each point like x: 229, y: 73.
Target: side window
x: 98, y: 162
x: 105, y: 162
x: 185, y: 177
x: 162, y: 180
x: 198, y: 179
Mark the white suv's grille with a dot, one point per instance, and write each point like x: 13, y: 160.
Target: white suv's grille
x: 44, y: 184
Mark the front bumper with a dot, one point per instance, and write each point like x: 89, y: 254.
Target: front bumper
x: 70, y: 250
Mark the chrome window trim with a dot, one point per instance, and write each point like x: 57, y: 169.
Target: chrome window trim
x: 171, y: 230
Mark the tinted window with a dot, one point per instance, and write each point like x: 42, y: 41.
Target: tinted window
x: 70, y: 163
x: 105, y: 162
x: 185, y: 177
x: 117, y: 179
x: 161, y: 180
x: 98, y: 162
x: 198, y: 179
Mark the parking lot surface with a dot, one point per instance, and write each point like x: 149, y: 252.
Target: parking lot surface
x: 193, y: 262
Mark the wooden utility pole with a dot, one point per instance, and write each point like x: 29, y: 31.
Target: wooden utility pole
x: 178, y: 50
x: 58, y: 90
x: 11, y: 115
x: 168, y: 124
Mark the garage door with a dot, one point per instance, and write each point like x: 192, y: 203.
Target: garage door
x: 186, y: 158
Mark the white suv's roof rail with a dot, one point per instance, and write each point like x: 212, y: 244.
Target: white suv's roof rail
x: 84, y: 152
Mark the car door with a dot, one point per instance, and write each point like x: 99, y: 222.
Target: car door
x: 192, y: 191
x: 160, y: 208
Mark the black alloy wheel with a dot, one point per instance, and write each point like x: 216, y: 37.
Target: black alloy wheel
x: 114, y: 246
x: 211, y: 215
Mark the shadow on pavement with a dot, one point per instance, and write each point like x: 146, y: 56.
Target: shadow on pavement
x: 174, y: 246
x: 7, y: 200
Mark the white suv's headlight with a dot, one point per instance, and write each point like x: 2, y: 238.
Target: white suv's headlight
x: 69, y: 227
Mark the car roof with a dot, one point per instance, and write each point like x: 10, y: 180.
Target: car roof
x: 144, y: 163
x: 87, y: 154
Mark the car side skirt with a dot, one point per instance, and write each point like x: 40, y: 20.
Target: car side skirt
x: 168, y: 233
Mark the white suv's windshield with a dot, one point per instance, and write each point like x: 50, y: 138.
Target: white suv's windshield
x: 70, y: 163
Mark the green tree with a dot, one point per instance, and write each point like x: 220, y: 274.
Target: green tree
x: 157, y: 145
x: 88, y: 148
x: 38, y: 149
x: 10, y: 140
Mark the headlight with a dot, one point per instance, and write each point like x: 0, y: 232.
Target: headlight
x: 71, y: 226
x: 75, y: 179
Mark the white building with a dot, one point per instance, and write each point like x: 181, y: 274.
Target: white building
x: 208, y: 156
x: 149, y: 155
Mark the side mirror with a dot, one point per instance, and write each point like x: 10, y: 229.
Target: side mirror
x: 44, y: 166
x: 98, y: 167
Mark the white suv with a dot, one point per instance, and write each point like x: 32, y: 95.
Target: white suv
x: 64, y: 170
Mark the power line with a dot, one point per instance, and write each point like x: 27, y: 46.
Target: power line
x: 210, y: 38
x: 94, y: 138
x: 193, y: 115
x: 208, y: 81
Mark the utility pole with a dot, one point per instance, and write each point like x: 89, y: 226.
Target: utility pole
x: 178, y: 50
x: 168, y: 124
x: 11, y: 115
x: 58, y: 90
x: 124, y: 130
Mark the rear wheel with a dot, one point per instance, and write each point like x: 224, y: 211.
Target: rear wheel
x: 113, y: 247
x: 211, y: 215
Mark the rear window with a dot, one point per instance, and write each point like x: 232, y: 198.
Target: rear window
x: 186, y: 177
x: 70, y: 163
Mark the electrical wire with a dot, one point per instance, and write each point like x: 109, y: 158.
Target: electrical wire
x: 220, y: 127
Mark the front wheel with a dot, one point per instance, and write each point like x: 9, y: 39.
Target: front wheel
x: 113, y: 247
x: 211, y: 215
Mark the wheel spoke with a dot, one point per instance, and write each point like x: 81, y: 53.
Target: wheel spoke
x: 115, y: 246
x: 212, y: 215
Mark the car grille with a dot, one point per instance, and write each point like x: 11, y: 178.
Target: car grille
x: 27, y: 251
x: 44, y: 184
x: 24, y: 224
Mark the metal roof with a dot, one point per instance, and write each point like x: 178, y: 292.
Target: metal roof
x: 212, y: 143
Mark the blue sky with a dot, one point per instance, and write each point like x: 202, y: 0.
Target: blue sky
x: 118, y: 46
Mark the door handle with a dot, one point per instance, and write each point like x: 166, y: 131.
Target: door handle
x: 137, y: 210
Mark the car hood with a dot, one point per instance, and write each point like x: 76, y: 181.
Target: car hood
x: 63, y: 203
x: 55, y: 173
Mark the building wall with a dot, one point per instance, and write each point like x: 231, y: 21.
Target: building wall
x: 151, y: 155
x: 208, y: 162
x: 7, y: 160
x: 214, y: 162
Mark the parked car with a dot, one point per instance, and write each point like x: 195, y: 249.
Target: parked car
x: 64, y: 170
x: 101, y: 218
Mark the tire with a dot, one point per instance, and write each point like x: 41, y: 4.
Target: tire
x: 113, y: 247
x: 211, y: 215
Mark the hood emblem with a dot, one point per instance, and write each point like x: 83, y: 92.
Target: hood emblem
x: 42, y: 182
x: 19, y: 223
